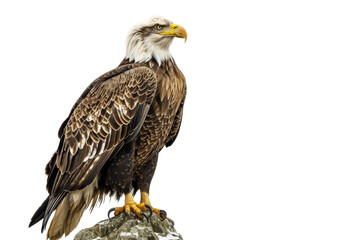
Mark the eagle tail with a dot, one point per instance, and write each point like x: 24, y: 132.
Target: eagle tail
x: 70, y: 210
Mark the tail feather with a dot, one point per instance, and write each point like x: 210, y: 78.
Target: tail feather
x: 74, y: 220
x: 70, y: 210
x: 56, y: 229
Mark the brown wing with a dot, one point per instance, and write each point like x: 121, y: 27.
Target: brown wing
x: 110, y: 114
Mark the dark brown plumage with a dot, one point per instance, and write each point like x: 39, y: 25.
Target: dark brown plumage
x: 110, y: 142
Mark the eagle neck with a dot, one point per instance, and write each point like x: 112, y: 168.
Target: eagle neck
x: 142, y: 50
x: 153, y: 64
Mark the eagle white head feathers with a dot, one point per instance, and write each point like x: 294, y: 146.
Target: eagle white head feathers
x: 152, y: 40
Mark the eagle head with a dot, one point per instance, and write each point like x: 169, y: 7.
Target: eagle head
x: 152, y: 40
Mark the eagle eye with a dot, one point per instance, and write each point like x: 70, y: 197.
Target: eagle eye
x: 158, y: 27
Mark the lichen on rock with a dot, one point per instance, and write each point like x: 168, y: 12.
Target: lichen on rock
x: 130, y: 228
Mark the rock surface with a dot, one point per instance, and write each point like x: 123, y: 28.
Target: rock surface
x: 126, y: 228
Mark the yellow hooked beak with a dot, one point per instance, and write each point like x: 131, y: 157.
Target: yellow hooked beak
x: 175, y: 31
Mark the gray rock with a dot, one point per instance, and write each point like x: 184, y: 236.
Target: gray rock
x: 130, y: 228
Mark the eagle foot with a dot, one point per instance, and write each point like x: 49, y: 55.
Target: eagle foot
x: 137, y: 208
x: 163, y: 215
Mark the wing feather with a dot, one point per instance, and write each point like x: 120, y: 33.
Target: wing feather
x: 176, y: 125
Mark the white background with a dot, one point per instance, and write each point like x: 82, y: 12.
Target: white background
x: 269, y: 145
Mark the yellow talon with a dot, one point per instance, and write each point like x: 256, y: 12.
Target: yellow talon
x: 157, y: 211
x: 139, y: 208
x: 161, y: 213
x: 132, y: 206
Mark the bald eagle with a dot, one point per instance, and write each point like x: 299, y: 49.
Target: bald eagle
x: 110, y: 142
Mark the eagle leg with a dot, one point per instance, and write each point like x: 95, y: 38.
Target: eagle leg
x: 131, y: 206
x: 161, y: 213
